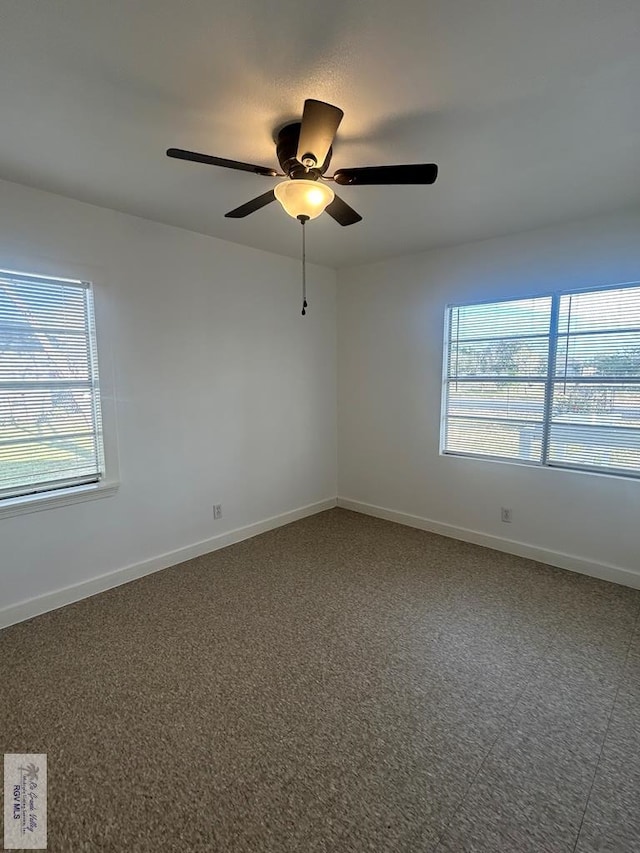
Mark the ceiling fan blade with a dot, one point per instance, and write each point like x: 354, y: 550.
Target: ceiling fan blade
x: 252, y: 206
x: 341, y: 212
x: 419, y: 173
x: 320, y: 122
x: 194, y: 157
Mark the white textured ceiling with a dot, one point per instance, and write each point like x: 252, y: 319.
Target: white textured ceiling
x: 531, y: 108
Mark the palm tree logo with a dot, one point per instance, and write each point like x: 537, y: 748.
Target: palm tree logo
x: 31, y: 770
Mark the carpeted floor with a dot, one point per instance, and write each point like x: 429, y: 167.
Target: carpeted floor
x: 340, y: 684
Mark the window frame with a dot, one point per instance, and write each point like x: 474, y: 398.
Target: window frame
x: 549, y: 380
x: 109, y: 482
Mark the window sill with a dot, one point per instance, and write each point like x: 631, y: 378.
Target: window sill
x: 62, y: 497
x: 538, y: 466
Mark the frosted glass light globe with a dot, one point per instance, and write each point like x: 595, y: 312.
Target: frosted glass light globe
x: 304, y: 198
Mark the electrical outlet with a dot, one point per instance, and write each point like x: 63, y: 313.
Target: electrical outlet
x: 506, y: 514
x: 217, y: 511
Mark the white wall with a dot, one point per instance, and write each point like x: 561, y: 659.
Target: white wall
x: 390, y: 338
x: 224, y: 393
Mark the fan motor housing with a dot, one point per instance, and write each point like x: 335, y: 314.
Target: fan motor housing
x: 287, y: 149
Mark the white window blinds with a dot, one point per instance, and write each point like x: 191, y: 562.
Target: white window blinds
x: 50, y: 423
x: 552, y: 380
x: 595, y: 419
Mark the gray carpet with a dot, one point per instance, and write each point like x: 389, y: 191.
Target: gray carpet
x: 340, y: 684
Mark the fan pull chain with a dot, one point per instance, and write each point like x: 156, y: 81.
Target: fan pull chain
x: 304, y: 219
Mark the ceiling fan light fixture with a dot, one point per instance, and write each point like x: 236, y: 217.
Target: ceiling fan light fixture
x: 304, y: 198
x: 304, y: 149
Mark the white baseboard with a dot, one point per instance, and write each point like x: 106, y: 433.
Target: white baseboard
x: 604, y: 571
x: 59, y: 598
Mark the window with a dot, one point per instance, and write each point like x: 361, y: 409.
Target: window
x: 552, y: 380
x: 50, y: 419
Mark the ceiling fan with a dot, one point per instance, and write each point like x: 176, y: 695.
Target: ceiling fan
x: 304, y: 152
